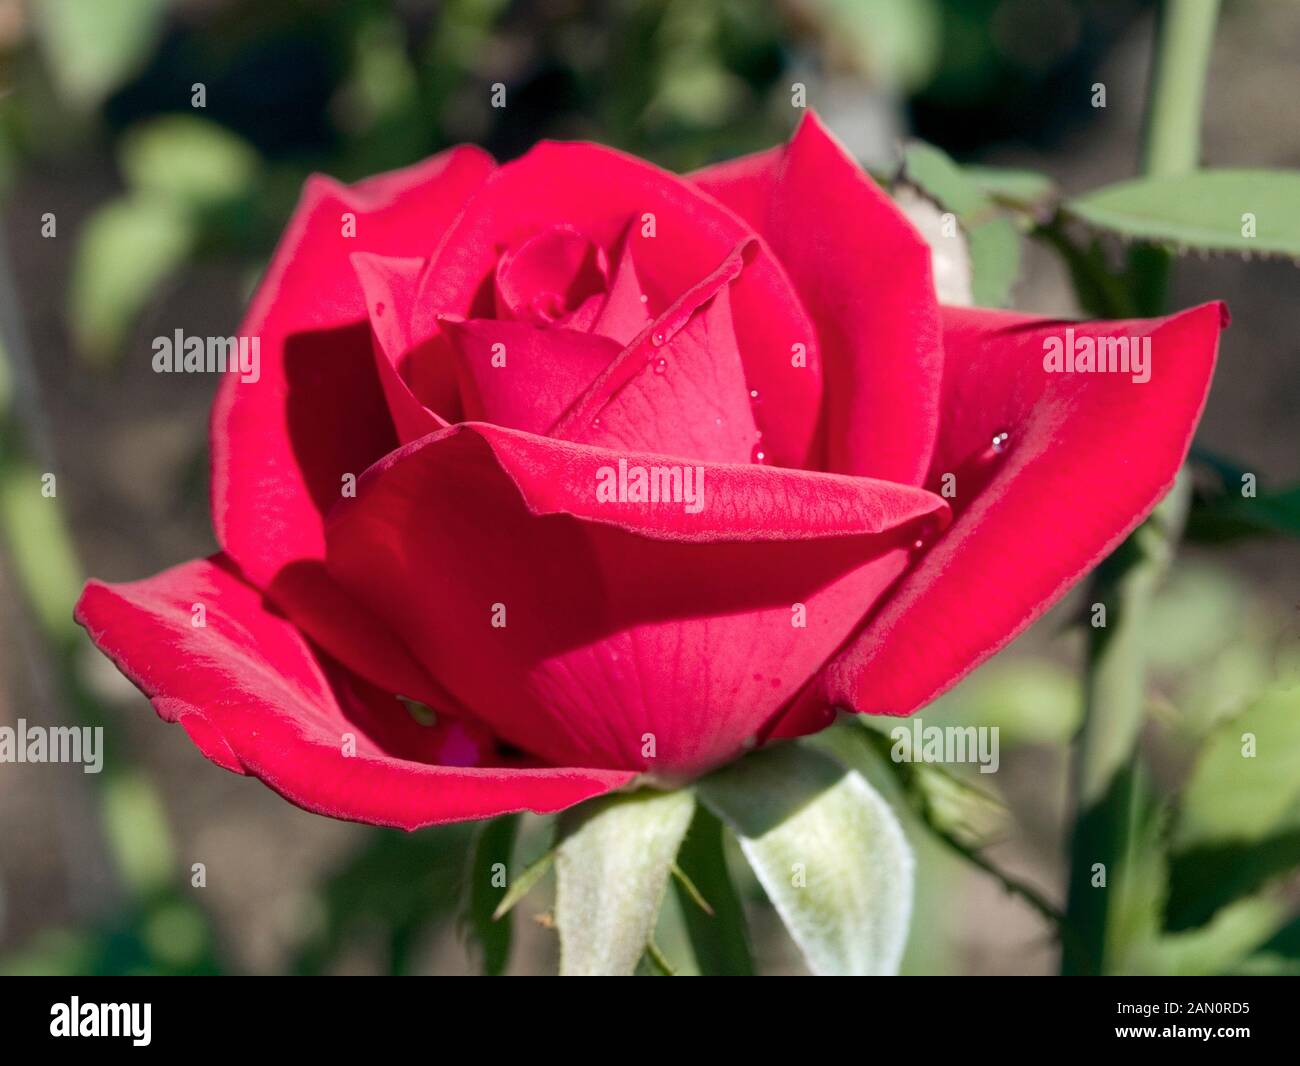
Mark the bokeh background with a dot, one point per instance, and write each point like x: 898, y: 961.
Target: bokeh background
x: 164, y: 215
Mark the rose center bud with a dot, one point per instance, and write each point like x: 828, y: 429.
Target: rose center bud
x: 551, y: 277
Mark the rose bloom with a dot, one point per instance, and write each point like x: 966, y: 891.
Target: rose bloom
x: 622, y: 474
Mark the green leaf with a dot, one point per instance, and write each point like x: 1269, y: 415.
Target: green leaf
x: 127, y: 249
x: 719, y: 939
x: 34, y: 532
x: 524, y: 883
x: 399, y: 885
x: 934, y: 171
x: 136, y: 823
x: 690, y: 890
x: 1025, y: 189
x: 612, y: 867
x: 1204, y: 209
x: 1280, y: 955
x: 995, y: 261
x: 188, y: 161
x: 1231, y: 516
x: 93, y: 46
x: 994, y: 240
x: 1236, y: 796
x: 491, y: 864
x: 1239, y: 823
x: 657, y: 961
x: 828, y: 851
x: 1236, y: 932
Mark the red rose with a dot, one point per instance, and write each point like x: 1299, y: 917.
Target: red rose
x: 647, y: 470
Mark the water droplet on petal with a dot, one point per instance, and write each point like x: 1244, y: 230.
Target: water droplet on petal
x: 753, y: 395
x: 758, y: 455
x: 645, y: 298
x: 595, y: 423
x: 657, y: 340
x: 661, y: 365
x: 1000, y: 441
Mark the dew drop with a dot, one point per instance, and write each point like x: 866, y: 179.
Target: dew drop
x: 645, y: 298
x: 925, y: 534
x: 1000, y: 441
x: 661, y: 365
x: 753, y: 395
x: 758, y: 455
x: 657, y: 340
x: 595, y: 423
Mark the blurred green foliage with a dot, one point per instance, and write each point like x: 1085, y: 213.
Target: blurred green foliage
x: 354, y: 88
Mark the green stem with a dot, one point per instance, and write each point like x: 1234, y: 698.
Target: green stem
x: 1109, y: 786
x: 495, y: 843
x: 1040, y: 903
x: 1184, y: 37
x: 1108, y: 781
x: 719, y: 939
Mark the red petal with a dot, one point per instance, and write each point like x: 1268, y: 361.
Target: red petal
x: 863, y: 273
x: 623, y: 620
x: 280, y: 445
x: 388, y: 285
x: 255, y: 699
x: 1087, y: 456
x: 745, y: 185
x: 680, y: 388
x: 544, y: 370
x: 547, y: 278
x: 625, y: 312
x: 599, y: 192
x: 330, y: 617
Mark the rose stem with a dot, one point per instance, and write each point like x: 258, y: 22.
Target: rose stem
x: 1108, y: 783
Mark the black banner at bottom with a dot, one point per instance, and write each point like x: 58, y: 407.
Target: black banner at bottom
x: 342, y: 1013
